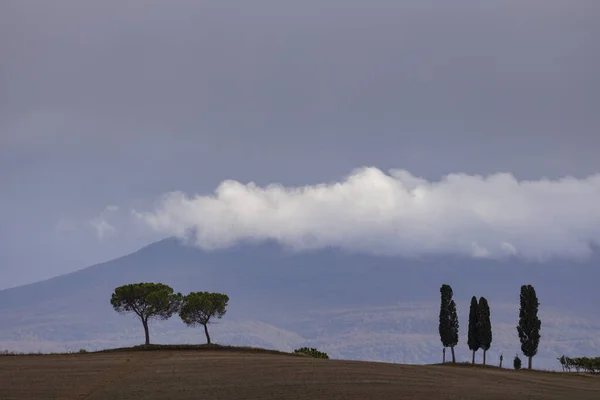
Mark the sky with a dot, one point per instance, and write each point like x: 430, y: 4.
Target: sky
x: 122, y: 122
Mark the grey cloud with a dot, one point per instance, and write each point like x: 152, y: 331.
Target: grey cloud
x: 114, y: 102
x: 102, y: 228
x: 101, y: 224
x: 278, y: 65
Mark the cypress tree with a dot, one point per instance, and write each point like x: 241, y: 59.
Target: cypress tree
x: 453, y: 328
x: 448, y: 327
x: 446, y: 295
x: 529, y: 323
x: 473, y: 335
x: 484, y: 328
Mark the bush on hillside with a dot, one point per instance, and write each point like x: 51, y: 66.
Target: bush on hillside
x: 517, y: 362
x: 311, y: 352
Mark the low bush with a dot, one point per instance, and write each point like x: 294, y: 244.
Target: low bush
x: 311, y: 352
x: 517, y: 363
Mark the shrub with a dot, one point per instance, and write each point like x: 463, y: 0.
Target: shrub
x: 517, y: 362
x: 82, y: 351
x: 311, y: 352
x: 591, y: 365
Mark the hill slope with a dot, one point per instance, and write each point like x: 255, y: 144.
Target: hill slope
x: 353, y: 306
x: 229, y: 376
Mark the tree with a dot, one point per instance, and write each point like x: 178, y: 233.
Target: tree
x: 473, y: 335
x: 529, y: 323
x: 448, y: 327
x: 484, y: 326
x: 198, y: 308
x: 147, y: 300
x: 517, y: 362
x: 453, y: 328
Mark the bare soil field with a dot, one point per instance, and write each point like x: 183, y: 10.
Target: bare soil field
x: 216, y: 375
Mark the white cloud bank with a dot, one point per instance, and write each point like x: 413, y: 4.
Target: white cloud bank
x: 396, y: 213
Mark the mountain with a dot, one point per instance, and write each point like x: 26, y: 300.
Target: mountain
x: 350, y: 305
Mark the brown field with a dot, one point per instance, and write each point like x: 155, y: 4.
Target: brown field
x: 228, y: 375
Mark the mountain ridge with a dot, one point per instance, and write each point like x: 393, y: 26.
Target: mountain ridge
x: 340, y: 301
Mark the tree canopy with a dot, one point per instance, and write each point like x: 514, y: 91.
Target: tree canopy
x: 199, y: 308
x: 484, y: 326
x: 529, y: 323
x: 147, y: 300
x: 448, y: 327
x: 473, y: 335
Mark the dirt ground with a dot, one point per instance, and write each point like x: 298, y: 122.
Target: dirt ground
x: 217, y: 375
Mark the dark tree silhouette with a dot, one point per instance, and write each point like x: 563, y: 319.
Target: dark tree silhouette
x: 473, y: 335
x: 448, y: 327
x: 198, y: 308
x: 147, y: 300
x: 517, y: 362
x: 529, y: 323
x: 484, y: 326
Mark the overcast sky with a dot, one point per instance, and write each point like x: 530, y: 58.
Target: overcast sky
x: 108, y: 106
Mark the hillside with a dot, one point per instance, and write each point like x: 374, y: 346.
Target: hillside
x: 352, y: 306
x: 221, y: 375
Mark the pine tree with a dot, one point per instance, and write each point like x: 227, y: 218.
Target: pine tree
x: 147, y: 300
x: 529, y: 323
x: 484, y: 328
x: 473, y: 336
x: 448, y: 327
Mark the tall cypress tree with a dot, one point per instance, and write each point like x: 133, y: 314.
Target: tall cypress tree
x: 484, y: 326
x: 529, y: 323
x: 473, y: 336
x: 453, y: 328
x: 446, y: 296
x: 448, y: 327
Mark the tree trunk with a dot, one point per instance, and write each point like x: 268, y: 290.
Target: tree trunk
x: 145, y: 323
x: 529, y: 364
x: 444, y: 355
x: 484, y: 357
x: 207, y: 335
x: 453, y: 356
x: 473, y: 360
